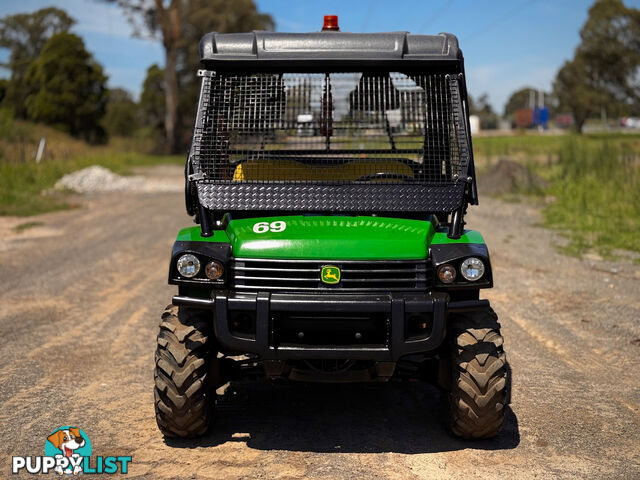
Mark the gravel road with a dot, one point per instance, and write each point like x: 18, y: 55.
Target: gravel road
x: 80, y: 297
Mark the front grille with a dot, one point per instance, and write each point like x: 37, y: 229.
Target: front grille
x: 304, y: 275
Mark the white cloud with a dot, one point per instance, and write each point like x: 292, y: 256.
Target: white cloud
x: 98, y: 17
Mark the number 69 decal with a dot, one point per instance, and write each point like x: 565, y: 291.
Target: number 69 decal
x: 264, y: 227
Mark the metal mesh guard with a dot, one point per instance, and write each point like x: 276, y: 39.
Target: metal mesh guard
x: 340, y: 141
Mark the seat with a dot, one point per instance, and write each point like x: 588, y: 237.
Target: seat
x: 267, y: 170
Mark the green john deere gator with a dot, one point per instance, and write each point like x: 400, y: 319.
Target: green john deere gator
x: 329, y: 175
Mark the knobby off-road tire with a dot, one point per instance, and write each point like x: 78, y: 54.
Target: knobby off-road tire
x: 479, y: 390
x: 184, y: 397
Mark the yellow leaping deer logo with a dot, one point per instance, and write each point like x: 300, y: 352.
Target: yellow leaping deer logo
x: 330, y: 274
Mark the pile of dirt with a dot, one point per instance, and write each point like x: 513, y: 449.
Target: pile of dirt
x: 507, y: 177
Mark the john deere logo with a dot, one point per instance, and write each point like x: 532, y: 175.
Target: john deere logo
x: 330, y: 274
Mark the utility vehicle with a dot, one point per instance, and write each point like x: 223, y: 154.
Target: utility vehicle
x: 332, y: 251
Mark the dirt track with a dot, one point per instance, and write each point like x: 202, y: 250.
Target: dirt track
x: 80, y: 297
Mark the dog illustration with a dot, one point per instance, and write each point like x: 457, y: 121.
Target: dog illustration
x: 67, y: 441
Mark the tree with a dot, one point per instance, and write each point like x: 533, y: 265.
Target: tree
x: 180, y: 24
x: 519, y: 99
x: 69, y: 88
x: 152, y: 99
x: 200, y: 17
x: 24, y: 35
x: 603, y: 75
x: 4, y: 83
x: 121, y: 115
x: 611, y: 47
x: 161, y: 17
x: 574, y: 87
x: 483, y: 109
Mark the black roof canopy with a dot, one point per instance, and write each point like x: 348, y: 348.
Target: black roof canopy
x: 258, y: 48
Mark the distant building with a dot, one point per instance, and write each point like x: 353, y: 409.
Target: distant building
x: 474, y: 124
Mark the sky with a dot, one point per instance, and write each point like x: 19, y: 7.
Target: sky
x: 507, y: 44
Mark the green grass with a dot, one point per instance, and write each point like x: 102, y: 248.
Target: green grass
x: 516, y: 145
x: 594, y: 185
x: 546, y: 147
x: 26, y: 226
x: 24, y: 186
x: 597, y: 197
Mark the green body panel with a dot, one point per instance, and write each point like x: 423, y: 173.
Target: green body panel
x: 192, y: 234
x: 469, y: 236
x: 330, y: 237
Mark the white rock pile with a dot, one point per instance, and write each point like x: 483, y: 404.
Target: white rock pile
x: 96, y: 179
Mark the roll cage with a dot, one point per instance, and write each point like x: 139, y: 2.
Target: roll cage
x: 331, y: 122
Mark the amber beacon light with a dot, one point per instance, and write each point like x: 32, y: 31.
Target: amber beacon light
x: 330, y: 23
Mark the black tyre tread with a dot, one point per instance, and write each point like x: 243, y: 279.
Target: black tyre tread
x: 183, y: 399
x: 480, y: 376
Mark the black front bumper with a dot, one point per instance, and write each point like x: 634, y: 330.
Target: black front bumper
x: 266, y: 308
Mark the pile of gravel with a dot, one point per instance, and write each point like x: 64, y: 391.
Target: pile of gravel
x: 96, y: 179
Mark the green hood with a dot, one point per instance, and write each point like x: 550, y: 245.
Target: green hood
x: 330, y: 238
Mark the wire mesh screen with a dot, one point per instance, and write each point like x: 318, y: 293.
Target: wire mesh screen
x: 328, y: 129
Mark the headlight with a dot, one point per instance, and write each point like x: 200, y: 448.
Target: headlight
x: 188, y: 265
x: 472, y: 269
x: 213, y: 270
x: 446, y: 273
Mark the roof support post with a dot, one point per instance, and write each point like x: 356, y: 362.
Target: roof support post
x: 457, y: 223
x: 206, y: 227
